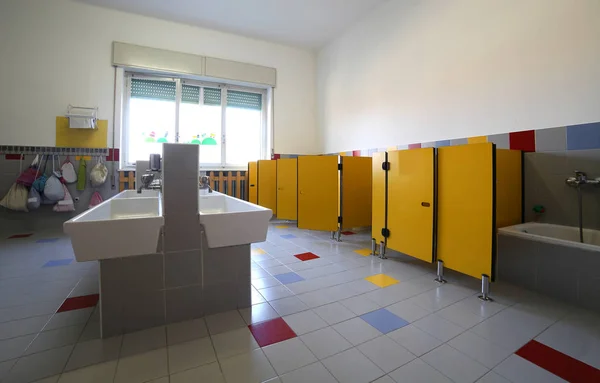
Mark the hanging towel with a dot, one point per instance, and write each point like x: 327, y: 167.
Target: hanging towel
x: 81, y: 174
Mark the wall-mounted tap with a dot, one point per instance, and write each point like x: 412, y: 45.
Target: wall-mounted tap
x: 205, y: 184
x: 148, y: 181
x: 581, y: 178
x: 577, y: 182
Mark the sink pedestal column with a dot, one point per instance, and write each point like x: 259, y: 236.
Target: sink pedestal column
x: 184, y: 279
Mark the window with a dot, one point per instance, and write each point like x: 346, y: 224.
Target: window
x: 228, y: 122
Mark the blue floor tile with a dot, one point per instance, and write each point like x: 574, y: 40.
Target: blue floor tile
x: 288, y: 236
x: 384, y: 321
x: 58, y: 262
x: 47, y: 240
x: 288, y: 278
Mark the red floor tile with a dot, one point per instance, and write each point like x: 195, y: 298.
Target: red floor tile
x: 20, y: 236
x: 306, y: 256
x: 348, y: 233
x: 77, y: 303
x: 562, y: 365
x: 271, y: 331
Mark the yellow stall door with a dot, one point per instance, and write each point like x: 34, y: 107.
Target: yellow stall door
x: 466, y: 226
x: 318, y: 193
x: 252, y: 183
x: 287, y: 188
x: 356, y: 192
x: 267, y: 184
x: 378, y: 203
x: 411, y: 209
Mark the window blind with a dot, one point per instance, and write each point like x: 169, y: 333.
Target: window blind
x: 190, y: 94
x: 153, y: 89
x: 212, y: 96
x: 245, y: 100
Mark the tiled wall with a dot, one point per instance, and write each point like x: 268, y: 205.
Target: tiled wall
x: 559, y: 152
x: 551, y: 155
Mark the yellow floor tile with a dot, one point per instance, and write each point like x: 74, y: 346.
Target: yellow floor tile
x: 363, y: 252
x: 281, y: 227
x: 257, y: 251
x: 382, y: 280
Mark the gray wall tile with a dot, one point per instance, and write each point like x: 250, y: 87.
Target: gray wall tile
x: 143, y: 309
x: 184, y: 303
x: 180, y: 159
x: 180, y: 196
x: 182, y: 233
x: 545, y: 175
x: 219, y: 298
x: 551, y: 140
x: 517, y: 261
x: 459, y: 141
x: 183, y: 268
x: 502, y: 141
x: 558, y: 271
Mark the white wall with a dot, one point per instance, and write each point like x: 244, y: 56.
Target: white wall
x: 55, y: 53
x: 424, y: 70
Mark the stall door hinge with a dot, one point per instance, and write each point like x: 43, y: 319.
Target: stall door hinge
x: 385, y: 233
x: 385, y: 166
x: 340, y: 167
x: 340, y: 219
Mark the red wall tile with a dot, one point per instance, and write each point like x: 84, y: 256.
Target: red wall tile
x: 12, y: 156
x: 414, y: 146
x: 113, y: 155
x: 276, y: 156
x: 524, y: 141
x: 356, y: 153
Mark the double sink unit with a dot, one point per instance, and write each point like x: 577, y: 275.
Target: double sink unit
x: 171, y: 255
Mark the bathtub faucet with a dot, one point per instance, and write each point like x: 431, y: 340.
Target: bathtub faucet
x: 577, y: 182
x: 581, y: 178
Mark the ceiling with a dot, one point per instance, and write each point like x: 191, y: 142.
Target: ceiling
x: 305, y: 23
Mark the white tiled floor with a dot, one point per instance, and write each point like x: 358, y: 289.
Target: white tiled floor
x: 452, y: 335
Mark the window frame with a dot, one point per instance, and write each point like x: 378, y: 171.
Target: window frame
x: 266, y: 131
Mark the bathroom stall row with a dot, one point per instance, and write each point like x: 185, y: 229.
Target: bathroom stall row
x: 445, y: 204
x: 326, y: 193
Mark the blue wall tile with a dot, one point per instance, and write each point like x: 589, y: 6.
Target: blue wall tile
x: 440, y: 144
x: 585, y: 136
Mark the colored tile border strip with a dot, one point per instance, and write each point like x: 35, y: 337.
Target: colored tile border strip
x: 561, y: 365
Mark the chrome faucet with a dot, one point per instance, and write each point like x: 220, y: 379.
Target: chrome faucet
x: 149, y: 183
x: 205, y: 184
x: 577, y: 182
x: 581, y: 178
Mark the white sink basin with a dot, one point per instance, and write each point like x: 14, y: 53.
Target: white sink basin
x: 230, y: 221
x: 119, y: 227
x: 134, y: 194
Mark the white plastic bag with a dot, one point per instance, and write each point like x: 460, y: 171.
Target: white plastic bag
x: 66, y: 204
x: 33, y: 199
x: 68, y: 171
x: 53, y: 189
x: 98, y: 174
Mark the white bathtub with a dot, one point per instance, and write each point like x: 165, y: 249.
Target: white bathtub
x: 550, y: 259
x: 556, y: 234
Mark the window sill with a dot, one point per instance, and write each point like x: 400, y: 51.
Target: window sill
x: 202, y: 169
